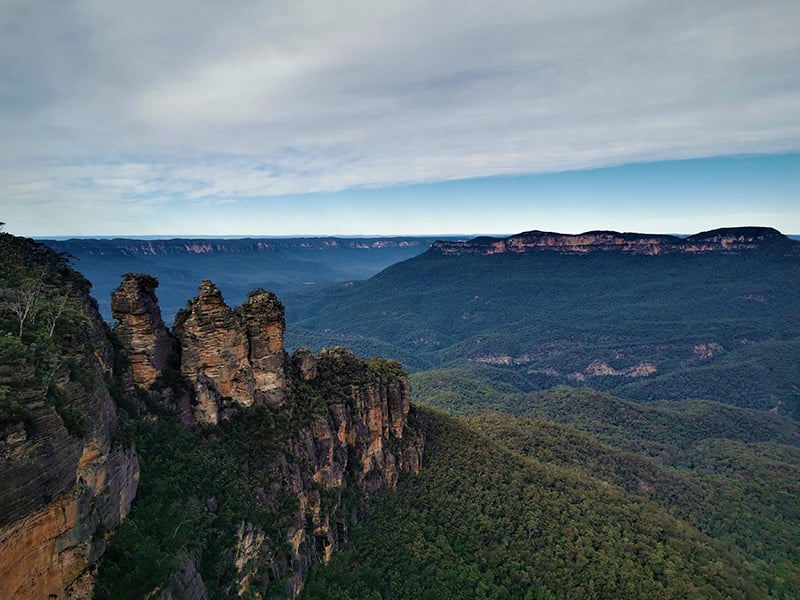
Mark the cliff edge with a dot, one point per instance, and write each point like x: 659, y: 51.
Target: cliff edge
x: 66, y: 482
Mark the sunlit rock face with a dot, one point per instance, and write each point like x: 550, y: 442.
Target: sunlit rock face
x: 140, y: 329
x: 352, y: 439
x: 362, y: 442
x: 262, y: 318
x: 231, y: 357
x: 62, y: 491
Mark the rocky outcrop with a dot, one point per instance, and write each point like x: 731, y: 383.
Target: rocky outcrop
x: 361, y: 442
x: 187, y: 584
x: 68, y: 484
x: 304, y: 364
x: 598, y: 368
x: 355, y: 442
x: 726, y: 240
x: 140, y: 329
x: 65, y: 482
x: 262, y: 319
x: 231, y: 358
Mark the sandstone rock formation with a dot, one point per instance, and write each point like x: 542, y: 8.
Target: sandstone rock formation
x: 356, y: 441
x: 231, y: 358
x: 360, y: 442
x: 140, y: 330
x: 358, y: 438
x: 305, y: 364
x: 598, y: 368
x: 263, y: 321
x: 68, y: 483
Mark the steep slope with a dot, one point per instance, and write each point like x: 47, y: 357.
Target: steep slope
x: 517, y: 508
x: 730, y: 472
x: 66, y: 482
x: 713, y: 315
x: 254, y: 464
x: 711, y: 482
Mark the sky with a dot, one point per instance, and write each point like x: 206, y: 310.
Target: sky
x: 310, y: 117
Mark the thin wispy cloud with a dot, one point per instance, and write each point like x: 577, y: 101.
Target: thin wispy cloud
x: 177, y: 101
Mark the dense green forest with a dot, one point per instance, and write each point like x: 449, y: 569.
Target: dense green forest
x: 528, y: 508
x: 716, y: 326
x: 42, y: 331
x: 197, y: 487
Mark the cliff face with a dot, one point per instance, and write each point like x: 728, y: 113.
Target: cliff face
x: 231, y: 358
x: 719, y: 240
x: 343, y: 435
x: 338, y: 434
x: 65, y: 483
x: 361, y: 442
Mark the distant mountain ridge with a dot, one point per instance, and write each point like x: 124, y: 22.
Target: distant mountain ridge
x: 713, y: 315
x: 151, y: 247
x: 729, y: 240
x: 284, y: 265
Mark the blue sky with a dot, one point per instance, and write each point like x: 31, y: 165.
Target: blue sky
x: 301, y: 117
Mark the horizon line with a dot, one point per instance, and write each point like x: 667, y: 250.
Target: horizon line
x: 167, y: 237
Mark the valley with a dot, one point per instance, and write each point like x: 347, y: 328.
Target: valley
x: 236, y: 265
x: 713, y: 319
x: 605, y: 415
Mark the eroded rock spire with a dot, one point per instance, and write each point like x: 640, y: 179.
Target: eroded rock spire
x: 231, y: 358
x: 140, y: 329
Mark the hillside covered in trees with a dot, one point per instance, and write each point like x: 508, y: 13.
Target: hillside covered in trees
x: 712, y: 317
x: 258, y: 473
x: 510, y: 507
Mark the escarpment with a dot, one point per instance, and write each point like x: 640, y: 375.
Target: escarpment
x: 314, y: 437
x: 254, y: 464
x: 65, y: 481
x: 725, y: 240
x: 357, y: 442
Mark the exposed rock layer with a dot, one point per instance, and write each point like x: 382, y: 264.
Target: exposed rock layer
x: 141, y: 330
x: 361, y: 442
x: 66, y: 490
x: 64, y: 482
x: 356, y: 439
x: 734, y: 239
x: 231, y: 357
x: 172, y: 247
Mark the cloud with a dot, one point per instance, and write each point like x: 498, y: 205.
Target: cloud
x: 179, y: 100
